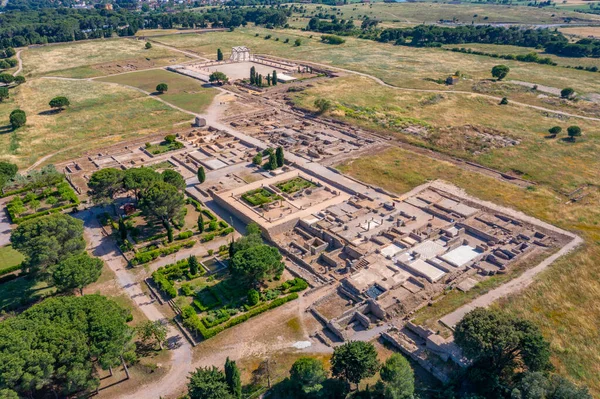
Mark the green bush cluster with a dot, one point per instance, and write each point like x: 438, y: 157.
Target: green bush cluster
x: 185, y: 234
x: 193, y: 322
x: 294, y: 285
x: 149, y: 256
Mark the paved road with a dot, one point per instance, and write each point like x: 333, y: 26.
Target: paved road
x: 181, y: 351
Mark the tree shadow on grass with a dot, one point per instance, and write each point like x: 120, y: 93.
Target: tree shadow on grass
x: 50, y: 112
x: 5, y: 129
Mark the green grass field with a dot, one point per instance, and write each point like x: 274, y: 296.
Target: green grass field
x: 184, y: 92
x: 99, y: 113
x: 9, y: 257
x: 563, y: 301
x: 95, y: 58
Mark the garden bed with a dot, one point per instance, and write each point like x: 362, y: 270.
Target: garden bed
x: 260, y: 196
x: 294, y: 185
x: 39, y: 201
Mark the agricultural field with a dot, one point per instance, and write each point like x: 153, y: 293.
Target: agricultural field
x: 95, y: 58
x: 409, y: 67
x: 447, y: 123
x: 563, y: 300
x: 432, y: 12
x: 184, y: 92
x: 99, y: 114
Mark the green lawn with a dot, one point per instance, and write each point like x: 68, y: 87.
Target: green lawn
x: 184, y: 92
x: 260, y: 196
x: 22, y: 291
x: 294, y: 185
x: 9, y: 257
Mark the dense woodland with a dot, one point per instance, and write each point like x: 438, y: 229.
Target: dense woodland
x: 552, y: 41
x: 22, y: 28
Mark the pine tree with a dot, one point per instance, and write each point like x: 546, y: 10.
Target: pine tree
x: 274, y: 78
x: 193, y: 264
x: 279, y: 156
x: 232, y: 377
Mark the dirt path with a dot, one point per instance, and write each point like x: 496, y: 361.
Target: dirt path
x: 18, y: 55
x: 105, y: 248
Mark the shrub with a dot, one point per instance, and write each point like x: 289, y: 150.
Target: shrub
x: 253, y: 297
x: 185, y: 234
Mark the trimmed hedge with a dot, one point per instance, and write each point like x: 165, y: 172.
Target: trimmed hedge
x: 194, y: 324
x: 10, y: 269
x: 145, y: 257
x: 44, y: 213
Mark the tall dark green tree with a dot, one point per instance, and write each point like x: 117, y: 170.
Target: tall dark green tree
x: 307, y: 377
x: 233, y: 378
x: 193, y: 264
x: 76, y: 272
x: 500, y: 71
x: 53, y: 349
x: 252, y: 76
x: 256, y: 264
x: 201, y: 174
x: 273, y: 161
x: 208, y: 383
x: 219, y: 55
x: 500, y: 346
x: 139, y: 179
x: 59, y: 103
x: 17, y: 118
x: 174, y: 178
x: 274, y: 79
x: 105, y: 184
x: 354, y: 361
x: 162, y: 201
x: 48, y: 240
x: 200, y: 223
x: 398, y: 378
x: 280, y: 156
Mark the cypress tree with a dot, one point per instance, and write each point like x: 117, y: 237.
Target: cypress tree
x: 201, y: 174
x: 200, y: 223
x: 232, y: 377
x: 280, y: 157
x: 269, y: 80
x: 122, y: 229
x: 274, y: 78
x: 272, y: 162
x: 193, y: 264
x: 252, y: 76
x: 219, y: 55
x: 259, y: 80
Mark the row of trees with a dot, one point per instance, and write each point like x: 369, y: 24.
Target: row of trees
x: 257, y: 79
x: 211, y: 383
x: 41, y: 26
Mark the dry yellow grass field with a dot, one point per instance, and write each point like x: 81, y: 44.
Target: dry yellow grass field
x: 583, y: 31
x: 98, y: 112
x: 87, y: 59
x: 360, y: 100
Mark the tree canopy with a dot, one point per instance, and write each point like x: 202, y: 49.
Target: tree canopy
x: 354, y: 361
x: 162, y: 201
x: 501, y: 345
x: 398, y: 378
x: 59, y: 103
x: 307, y: 376
x: 500, y: 71
x: 174, y: 178
x: 208, y: 383
x: 139, y: 179
x: 257, y: 263
x: 162, y: 87
x: 218, y: 77
x: 76, y: 272
x: 52, y: 346
x: 48, y: 240
x: 105, y: 183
